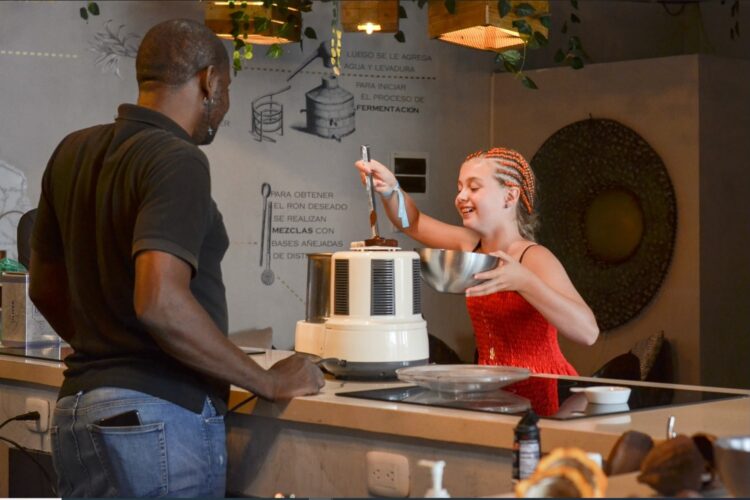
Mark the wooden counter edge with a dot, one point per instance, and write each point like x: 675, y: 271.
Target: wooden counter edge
x: 30, y: 371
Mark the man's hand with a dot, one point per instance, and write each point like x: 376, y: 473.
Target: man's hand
x: 295, y: 376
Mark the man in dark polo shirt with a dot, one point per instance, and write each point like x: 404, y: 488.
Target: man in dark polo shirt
x: 125, y: 265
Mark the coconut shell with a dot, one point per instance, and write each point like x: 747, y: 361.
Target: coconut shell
x: 705, y: 445
x: 673, y: 465
x: 628, y: 453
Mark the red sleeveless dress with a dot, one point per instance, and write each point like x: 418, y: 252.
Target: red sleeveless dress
x: 509, y: 331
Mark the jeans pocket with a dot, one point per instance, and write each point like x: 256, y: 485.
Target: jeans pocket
x: 63, y: 485
x: 133, y: 458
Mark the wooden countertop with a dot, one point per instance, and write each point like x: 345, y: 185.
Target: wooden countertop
x: 727, y: 417
x: 724, y: 417
x: 32, y: 371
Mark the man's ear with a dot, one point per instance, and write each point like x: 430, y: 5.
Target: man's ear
x: 207, y: 79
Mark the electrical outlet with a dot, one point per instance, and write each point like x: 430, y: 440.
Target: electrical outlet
x: 42, y: 406
x: 387, y: 474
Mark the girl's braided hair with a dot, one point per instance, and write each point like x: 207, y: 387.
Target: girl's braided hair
x: 512, y: 170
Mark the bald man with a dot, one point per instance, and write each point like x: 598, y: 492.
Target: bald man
x: 125, y: 265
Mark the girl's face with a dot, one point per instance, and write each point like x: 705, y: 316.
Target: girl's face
x: 481, y: 198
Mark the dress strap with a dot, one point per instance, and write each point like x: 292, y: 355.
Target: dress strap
x: 520, y: 259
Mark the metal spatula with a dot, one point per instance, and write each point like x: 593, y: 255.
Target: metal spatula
x: 371, y: 196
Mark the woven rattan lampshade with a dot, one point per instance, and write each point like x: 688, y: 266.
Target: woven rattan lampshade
x: 477, y: 24
x: 380, y: 15
x: 218, y: 19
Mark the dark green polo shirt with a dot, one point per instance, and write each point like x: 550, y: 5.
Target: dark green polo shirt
x: 109, y: 192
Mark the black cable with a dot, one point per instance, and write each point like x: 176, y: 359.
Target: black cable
x: 241, y: 403
x: 32, y: 415
x: 33, y: 459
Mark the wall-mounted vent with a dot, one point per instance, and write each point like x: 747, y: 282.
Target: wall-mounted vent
x: 416, y: 283
x: 341, y: 288
x: 383, y: 288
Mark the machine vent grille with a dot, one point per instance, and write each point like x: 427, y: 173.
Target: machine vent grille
x: 341, y: 288
x: 383, y: 296
x: 416, y: 294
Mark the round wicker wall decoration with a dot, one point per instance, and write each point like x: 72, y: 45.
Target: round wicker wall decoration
x: 608, y: 212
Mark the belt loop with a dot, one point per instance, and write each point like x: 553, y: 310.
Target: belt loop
x: 211, y: 409
x: 73, y: 423
x: 79, y: 395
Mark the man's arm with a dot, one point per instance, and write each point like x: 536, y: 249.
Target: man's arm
x: 48, y: 291
x: 184, y: 330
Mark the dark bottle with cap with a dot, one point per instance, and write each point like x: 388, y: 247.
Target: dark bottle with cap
x: 527, y: 447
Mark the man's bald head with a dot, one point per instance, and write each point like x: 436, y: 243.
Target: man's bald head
x: 172, y: 52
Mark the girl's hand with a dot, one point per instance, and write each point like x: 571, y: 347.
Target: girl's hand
x: 509, y: 275
x: 383, y: 180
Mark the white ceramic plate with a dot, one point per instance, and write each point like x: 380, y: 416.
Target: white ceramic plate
x: 499, y: 401
x: 605, y: 394
x: 462, y: 378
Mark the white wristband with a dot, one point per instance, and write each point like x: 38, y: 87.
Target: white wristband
x: 402, y: 215
x: 387, y: 194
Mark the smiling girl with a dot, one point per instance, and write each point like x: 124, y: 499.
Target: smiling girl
x: 528, y: 298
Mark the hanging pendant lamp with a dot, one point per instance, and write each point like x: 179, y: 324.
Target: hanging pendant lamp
x: 478, y: 24
x: 218, y: 17
x: 369, y: 16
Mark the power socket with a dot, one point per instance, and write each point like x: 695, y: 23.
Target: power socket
x: 387, y: 474
x: 42, y: 406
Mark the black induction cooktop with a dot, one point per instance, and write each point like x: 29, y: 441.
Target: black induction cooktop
x: 549, y: 397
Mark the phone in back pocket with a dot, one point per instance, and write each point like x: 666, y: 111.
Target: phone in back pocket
x: 127, y: 419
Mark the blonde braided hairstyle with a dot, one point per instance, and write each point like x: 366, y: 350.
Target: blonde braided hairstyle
x: 512, y: 170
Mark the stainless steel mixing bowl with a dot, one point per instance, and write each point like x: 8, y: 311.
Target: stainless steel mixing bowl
x: 453, y: 271
x: 733, y: 462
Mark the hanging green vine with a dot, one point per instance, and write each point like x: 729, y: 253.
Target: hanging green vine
x: 513, y: 60
x: 241, y: 24
x: 91, y: 8
x: 574, y: 54
x: 734, y: 12
x: 336, y: 41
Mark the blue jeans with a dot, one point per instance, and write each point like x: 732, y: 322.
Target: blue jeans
x: 174, y: 452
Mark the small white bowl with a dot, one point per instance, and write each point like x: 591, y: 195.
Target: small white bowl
x: 605, y: 394
x: 599, y: 409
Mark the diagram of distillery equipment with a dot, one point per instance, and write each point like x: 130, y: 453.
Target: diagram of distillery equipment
x: 329, y: 108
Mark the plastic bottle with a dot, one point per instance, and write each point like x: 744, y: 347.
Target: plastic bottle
x: 527, y: 447
x: 437, y: 490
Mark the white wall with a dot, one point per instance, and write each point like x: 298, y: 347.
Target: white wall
x: 663, y: 109
x: 44, y: 97
x: 622, y: 30
x: 694, y: 111
x: 725, y: 221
